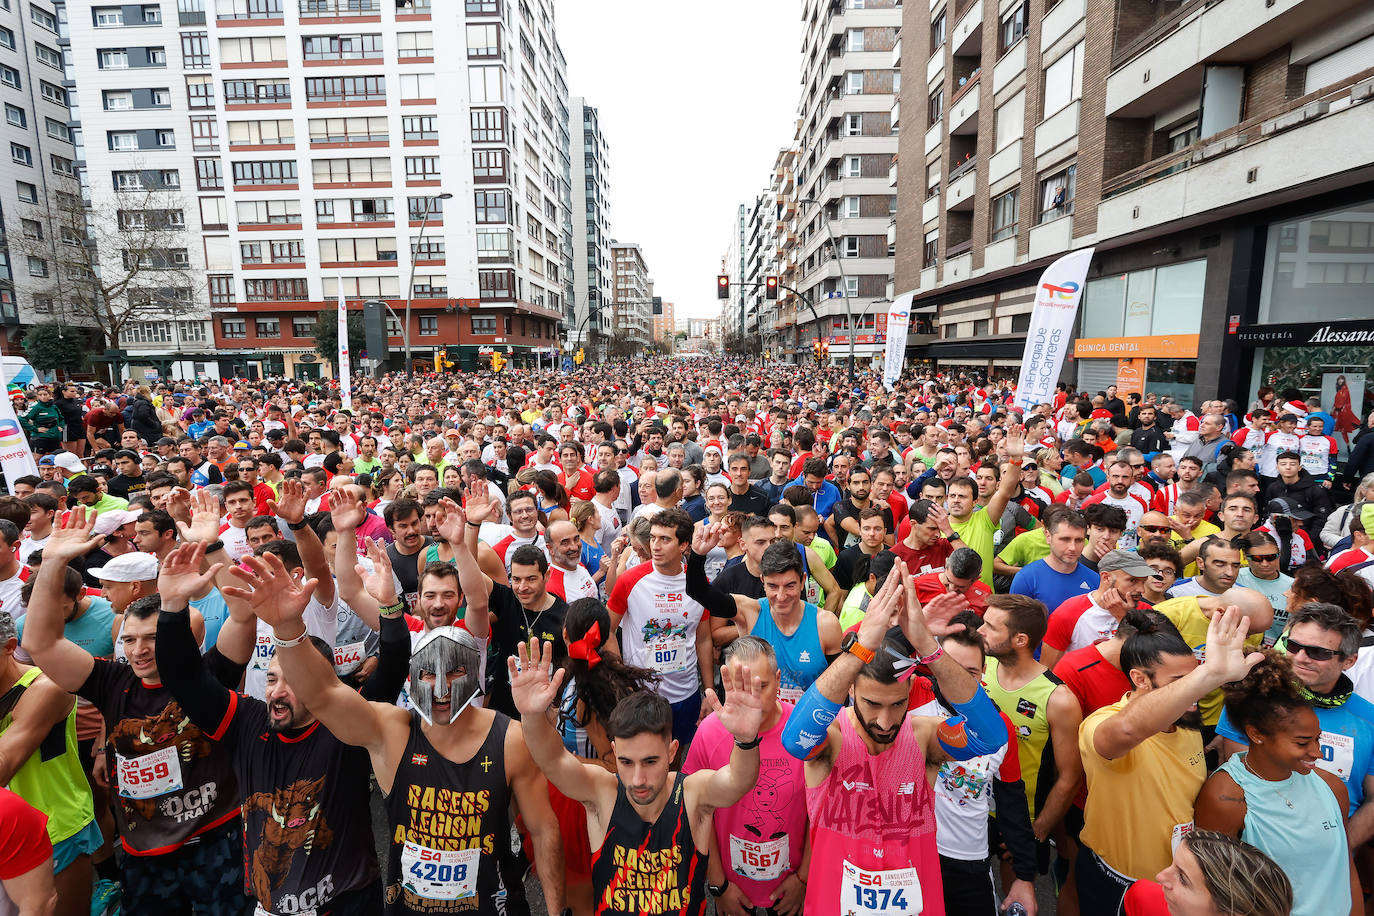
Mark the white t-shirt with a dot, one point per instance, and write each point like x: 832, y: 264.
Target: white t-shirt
x: 28, y: 545
x: 571, y: 584
x: 610, y: 526
x: 963, y: 797
x: 9, y: 595
x: 320, y: 621
x: 659, y: 626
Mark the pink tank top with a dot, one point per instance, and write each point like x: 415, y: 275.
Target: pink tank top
x: 873, y: 832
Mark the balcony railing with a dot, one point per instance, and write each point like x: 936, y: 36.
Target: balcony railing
x: 1167, y: 22
x: 958, y: 170
x: 315, y: 9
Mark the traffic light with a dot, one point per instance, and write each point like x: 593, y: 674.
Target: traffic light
x: 770, y: 287
x: 723, y: 286
x: 579, y: 356
x: 438, y: 362
x: 497, y: 362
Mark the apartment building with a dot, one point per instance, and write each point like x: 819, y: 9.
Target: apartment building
x: 632, y: 292
x: 1214, y: 152
x: 842, y: 192
x: 318, y: 156
x: 590, y: 326
x: 732, y: 266
x: 757, y: 264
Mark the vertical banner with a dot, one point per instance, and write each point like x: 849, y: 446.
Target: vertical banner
x: 344, y: 364
x: 1051, y: 328
x: 898, y: 321
x: 16, y: 458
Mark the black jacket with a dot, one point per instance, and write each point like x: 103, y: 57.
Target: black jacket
x: 1307, y: 493
x: 142, y: 419
x: 1149, y: 439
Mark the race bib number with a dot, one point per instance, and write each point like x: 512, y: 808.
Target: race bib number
x: 759, y: 861
x: 348, y: 657
x: 149, y: 776
x: 789, y: 694
x: 1180, y: 831
x: 894, y: 892
x: 262, y: 651
x: 668, y: 655
x: 1338, y: 754
x: 259, y: 911
x: 436, y: 875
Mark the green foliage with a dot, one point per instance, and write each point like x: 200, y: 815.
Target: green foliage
x: 327, y: 336
x: 54, y: 346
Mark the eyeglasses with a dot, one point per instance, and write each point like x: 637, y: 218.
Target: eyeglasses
x: 1155, y: 529
x: 1316, y: 653
x: 1263, y: 557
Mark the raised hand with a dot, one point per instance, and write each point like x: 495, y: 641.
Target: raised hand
x: 179, y: 578
x: 276, y: 597
x: 742, y: 712
x: 205, y: 518
x: 347, y: 514
x: 379, y: 583
x: 878, y: 616
x: 1016, y: 444
x: 179, y: 504
x: 531, y: 687
x: 1226, y: 659
x: 452, y: 521
x: 940, y: 517
x: 479, y: 506
x: 289, y: 506
x: 72, y: 538
x: 706, y: 538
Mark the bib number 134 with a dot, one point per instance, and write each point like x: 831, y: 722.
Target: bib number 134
x: 894, y: 892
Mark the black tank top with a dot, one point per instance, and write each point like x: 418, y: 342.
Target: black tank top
x: 450, y: 831
x: 407, y: 571
x: 645, y: 869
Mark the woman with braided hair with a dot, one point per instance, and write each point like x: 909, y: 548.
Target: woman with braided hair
x: 1274, y: 797
x: 596, y: 681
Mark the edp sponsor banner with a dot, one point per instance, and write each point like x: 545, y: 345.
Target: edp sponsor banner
x: 1050, y: 337
x: 345, y: 365
x: 898, y: 322
x: 16, y: 458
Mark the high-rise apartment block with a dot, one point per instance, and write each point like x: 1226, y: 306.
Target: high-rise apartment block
x: 590, y: 325
x: 411, y: 151
x: 1213, y: 151
x: 632, y: 291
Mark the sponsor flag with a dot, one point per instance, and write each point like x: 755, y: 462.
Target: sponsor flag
x: 344, y: 364
x: 1051, y: 328
x: 898, y: 321
x: 16, y: 458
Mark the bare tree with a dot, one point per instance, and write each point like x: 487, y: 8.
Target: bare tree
x: 123, y: 257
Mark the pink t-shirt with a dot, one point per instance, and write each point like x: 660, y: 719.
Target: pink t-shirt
x: 761, y: 838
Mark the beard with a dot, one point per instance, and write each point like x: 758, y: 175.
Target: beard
x: 1191, y: 720
x: 285, y: 725
x: 878, y: 736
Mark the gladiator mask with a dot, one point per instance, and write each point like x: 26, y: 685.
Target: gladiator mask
x: 441, y: 652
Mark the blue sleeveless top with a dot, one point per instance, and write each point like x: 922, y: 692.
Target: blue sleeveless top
x: 800, y: 657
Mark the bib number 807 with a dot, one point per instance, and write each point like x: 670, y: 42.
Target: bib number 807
x: 665, y: 656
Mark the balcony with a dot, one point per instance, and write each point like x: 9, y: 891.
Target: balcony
x: 1056, y: 130
x: 1012, y: 65
x: 1005, y: 161
x: 1253, y: 161
x: 967, y: 38
x: 319, y: 12
x: 963, y: 186
x: 963, y: 112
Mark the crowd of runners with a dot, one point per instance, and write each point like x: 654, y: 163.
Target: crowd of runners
x: 648, y: 637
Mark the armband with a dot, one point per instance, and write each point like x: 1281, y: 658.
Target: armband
x: 975, y: 729
x: 809, y: 724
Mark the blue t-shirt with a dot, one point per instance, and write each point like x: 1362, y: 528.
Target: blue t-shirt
x: 215, y: 611
x: 90, y: 631
x: 824, y: 499
x: 1328, y: 421
x: 1347, y: 742
x: 1052, y: 588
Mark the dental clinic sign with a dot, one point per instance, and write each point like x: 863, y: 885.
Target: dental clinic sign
x: 1050, y: 337
x: 1312, y: 334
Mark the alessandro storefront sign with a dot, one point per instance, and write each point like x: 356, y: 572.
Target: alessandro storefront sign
x: 1316, y: 334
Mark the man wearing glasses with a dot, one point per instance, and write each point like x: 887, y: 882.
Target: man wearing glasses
x: 1323, y: 642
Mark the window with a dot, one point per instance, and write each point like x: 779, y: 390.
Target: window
x: 32, y: 229
x: 1064, y: 80
x: 420, y: 127
x: 61, y: 165
x: 485, y: 326
x: 58, y: 130
x: 160, y: 98
x: 21, y: 154
x: 357, y: 250
x: 430, y: 249
x: 28, y: 192
x: 338, y: 171
x: 233, y: 328
x: 937, y: 32
x: 345, y: 89
x: 146, y: 332
x: 192, y: 331
x: 484, y: 41
x: 152, y: 14
x: 488, y: 124
x: 267, y: 212
x: 363, y: 288
x: 429, y: 325
x: 1009, y: 121
x: 936, y: 109
x: 341, y: 47
x: 121, y: 100
x: 37, y: 267
x: 195, y: 50
x: 422, y: 168
x: 854, y: 82
x: 42, y: 17
x: 43, y: 304
x: 252, y: 50
x: 248, y: 9
x: 47, y: 55
x: 491, y: 207
x: 112, y: 59
x: 260, y: 133
x: 853, y: 125
x: 165, y: 139
x: 303, y: 326
x: 419, y: 207
x: 417, y: 86
x: 200, y: 91
x: 348, y: 130
x: 485, y: 85
x: 849, y: 246
x: 257, y: 92
x: 275, y: 290
x: 221, y: 293
x: 1056, y: 194
x: 7, y: 38
x: 854, y: 40
x: 10, y: 77
x: 1012, y: 27
x: 267, y: 327
x: 371, y: 210
x: 274, y: 171
x: 55, y: 94
x: 15, y: 116
x: 488, y: 165
x: 851, y: 167
x: 930, y: 254
x: 205, y: 133
x: 1006, y: 209
x: 849, y: 208
x: 495, y: 284
x: 414, y: 44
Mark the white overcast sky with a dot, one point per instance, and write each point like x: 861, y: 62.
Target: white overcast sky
x: 695, y: 101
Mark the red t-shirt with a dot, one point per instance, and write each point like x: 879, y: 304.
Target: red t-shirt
x: 926, y: 559
x: 24, y: 843
x: 930, y: 586
x: 1095, y: 681
x: 1145, y: 898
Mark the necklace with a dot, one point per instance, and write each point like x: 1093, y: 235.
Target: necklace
x: 1245, y: 761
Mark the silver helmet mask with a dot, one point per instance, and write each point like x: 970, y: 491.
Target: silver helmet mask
x: 441, y: 653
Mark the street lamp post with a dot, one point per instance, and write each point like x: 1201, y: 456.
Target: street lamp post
x: 410, y: 284
x: 834, y: 247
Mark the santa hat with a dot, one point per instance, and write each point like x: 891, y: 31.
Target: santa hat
x: 1297, y: 407
x: 660, y: 408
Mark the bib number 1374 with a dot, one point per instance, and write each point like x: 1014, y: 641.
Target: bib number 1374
x: 894, y: 892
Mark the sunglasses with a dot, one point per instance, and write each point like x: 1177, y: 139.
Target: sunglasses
x: 1155, y: 529
x: 1316, y: 653
x: 1263, y: 557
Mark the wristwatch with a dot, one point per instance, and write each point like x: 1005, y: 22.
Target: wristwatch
x: 297, y: 526
x: 850, y: 644
x: 953, y: 536
x: 716, y: 890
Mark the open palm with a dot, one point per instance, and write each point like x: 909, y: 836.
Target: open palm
x: 531, y: 686
x: 275, y: 596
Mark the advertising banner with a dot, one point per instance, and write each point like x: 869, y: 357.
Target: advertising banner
x: 898, y: 321
x: 1050, y: 336
x: 344, y: 364
x: 16, y: 458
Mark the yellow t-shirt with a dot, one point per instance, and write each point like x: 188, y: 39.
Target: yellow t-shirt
x: 1136, y: 801
x: 1204, y: 529
x: 1191, y: 620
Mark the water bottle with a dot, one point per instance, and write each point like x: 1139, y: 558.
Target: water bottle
x: 1016, y: 909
